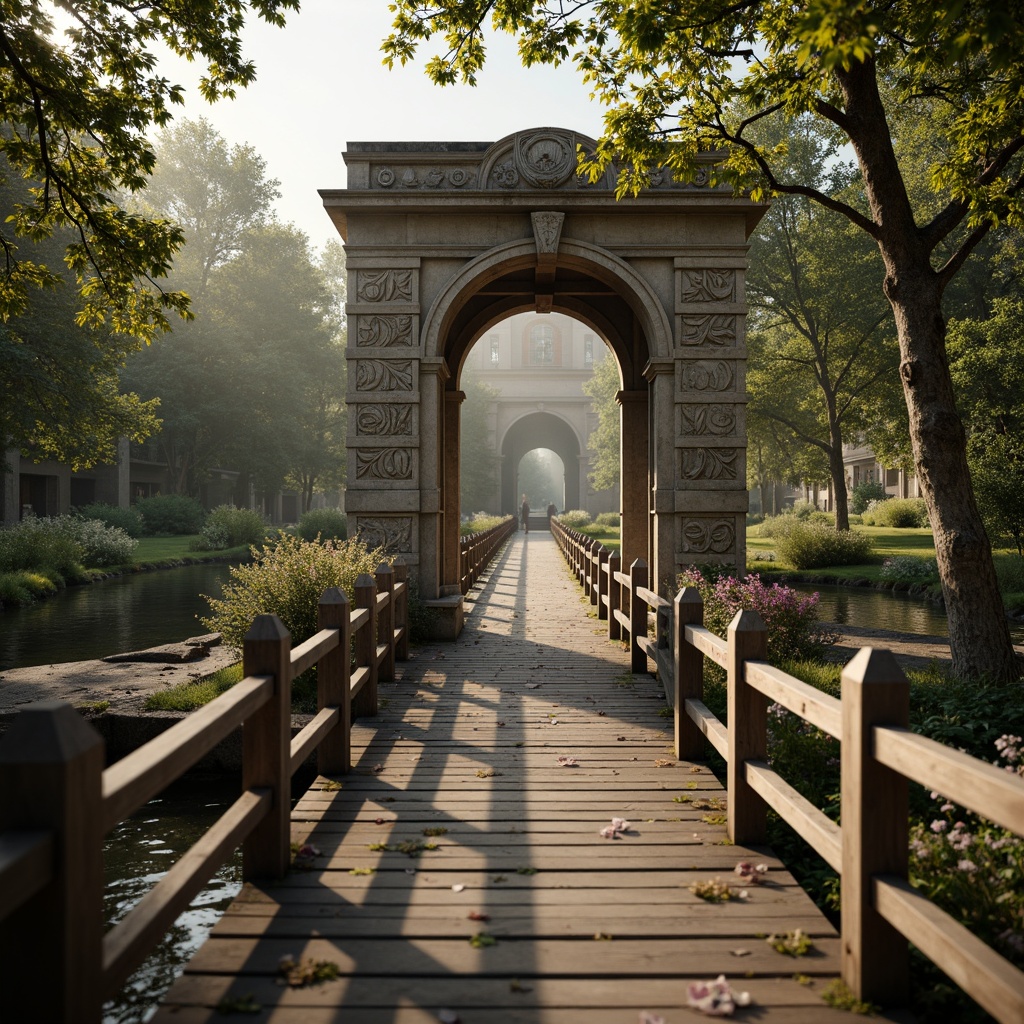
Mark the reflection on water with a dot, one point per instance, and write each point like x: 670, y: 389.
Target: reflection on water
x: 882, y: 609
x: 137, y: 854
x: 129, y: 613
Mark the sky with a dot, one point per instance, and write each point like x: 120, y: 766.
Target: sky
x: 320, y: 84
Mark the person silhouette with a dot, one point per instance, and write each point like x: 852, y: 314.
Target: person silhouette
x: 524, y: 514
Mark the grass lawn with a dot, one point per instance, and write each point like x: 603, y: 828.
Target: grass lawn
x: 609, y: 536
x: 161, y: 549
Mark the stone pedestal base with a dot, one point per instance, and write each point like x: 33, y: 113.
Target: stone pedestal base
x: 447, y: 617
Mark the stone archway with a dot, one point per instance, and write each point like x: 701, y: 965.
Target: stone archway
x: 445, y: 239
x: 540, y: 430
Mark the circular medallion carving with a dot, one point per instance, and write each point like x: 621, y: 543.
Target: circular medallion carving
x: 545, y: 159
x: 385, y: 177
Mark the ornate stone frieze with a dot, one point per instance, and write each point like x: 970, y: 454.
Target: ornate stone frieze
x: 384, y: 464
x: 429, y: 178
x: 702, y: 420
x: 392, y: 533
x: 708, y: 463
x: 710, y: 329
x: 706, y: 375
x: 505, y: 175
x: 384, y: 420
x: 708, y: 536
x: 384, y: 375
x: 385, y: 331
x: 384, y: 286
x: 708, y: 285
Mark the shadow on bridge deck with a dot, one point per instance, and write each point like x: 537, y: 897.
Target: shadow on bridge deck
x: 462, y: 870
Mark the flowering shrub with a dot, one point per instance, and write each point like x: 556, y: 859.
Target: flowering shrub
x: 909, y: 569
x: 900, y: 513
x: 973, y: 869
x: 575, y: 518
x: 288, y: 577
x: 128, y: 519
x: 480, y: 522
x: 608, y: 519
x: 61, y: 542
x: 794, y: 630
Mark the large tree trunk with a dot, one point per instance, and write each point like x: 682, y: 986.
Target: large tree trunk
x: 835, y: 465
x: 979, y: 634
x: 978, y: 629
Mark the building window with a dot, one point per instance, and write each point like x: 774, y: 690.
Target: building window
x: 542, y: 345
x: 588, y: 350
x: 494, y: 349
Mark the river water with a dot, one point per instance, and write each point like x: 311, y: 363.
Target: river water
x: 127, y: 613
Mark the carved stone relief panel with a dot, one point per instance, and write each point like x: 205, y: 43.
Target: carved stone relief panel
x: 707, y: 535
x: 384, y: 286
x: 708, y: 329
x: 384, y: 463
x: 385, y: 331
x: 392, y: 533
x: 384, y: 375
x: 707, y: 285
x: 706, y: 375
x: 707, y: 420
x: 393, y: 420
x: 708, y: 463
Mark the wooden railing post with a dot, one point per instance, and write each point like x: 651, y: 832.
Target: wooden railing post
x: 365, y: 702
x: 614, y: 596
x: 688, y: 669
x: 874, y: 810
x: 386, y: 621
x: 266, y: 747
x: 402, y: 609
x: 593, y: 571
x: 748, y: 729
x: 602, y: 583
x: 334, y: 756
x: 51, y: 765
x: 637, y: 616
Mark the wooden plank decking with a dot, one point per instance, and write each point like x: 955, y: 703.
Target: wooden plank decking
x: 586, y: 929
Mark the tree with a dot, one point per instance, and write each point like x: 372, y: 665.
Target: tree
x: 604, y: 442
x: 60, y: 395
x: 256, y: 381
x: 76, y: 111
x: 216, y: 193
x: 692, y: 81
x: 988, y: 371
x: 820, y: 333
x: 478, y: 461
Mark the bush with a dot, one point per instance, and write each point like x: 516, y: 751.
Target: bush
x: 909, y: 569
x: 127, y: 519
x: 863, y: 494
x: 901, y: 513
x: 229, y: 527
x: 34, y: 546
x: 287, y: 578
x: 608, y: 519
x: 479, y: 523
x: 794, y: 630
x: 574, y: 518
x: 101, y: 545
x: 814, y: 545
x: 171, y: 514
x: 327, y: 523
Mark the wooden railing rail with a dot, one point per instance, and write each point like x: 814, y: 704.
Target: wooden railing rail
x: 57, y: 802
x: 477, y: 550
x: 881, y: 912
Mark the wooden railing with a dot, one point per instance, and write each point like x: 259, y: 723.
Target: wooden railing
x: 57, y: 802
x: 476, y: 551
x: 881, y: 912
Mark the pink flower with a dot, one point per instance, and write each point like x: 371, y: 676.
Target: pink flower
x: 715, y: 998
x: 939, y: 826
x: 752, y: 874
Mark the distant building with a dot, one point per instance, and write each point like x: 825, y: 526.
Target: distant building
x: 539, y: 364
x: 861, y: 467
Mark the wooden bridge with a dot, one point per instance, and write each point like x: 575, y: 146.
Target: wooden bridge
x: 458, y: 870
